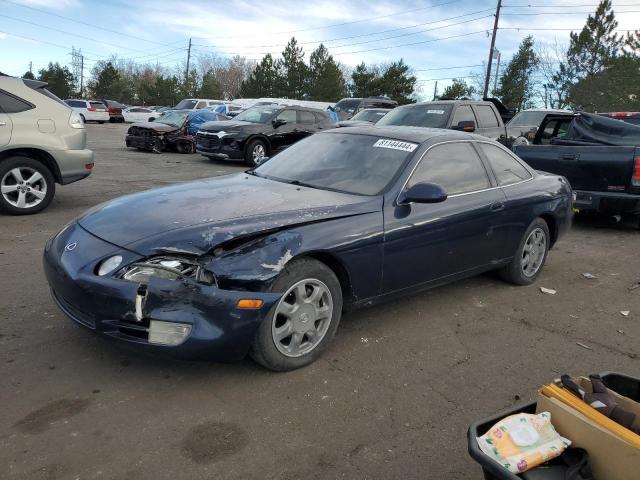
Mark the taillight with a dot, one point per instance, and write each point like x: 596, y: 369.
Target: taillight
x: 91, y: 109
x: 635, y: 178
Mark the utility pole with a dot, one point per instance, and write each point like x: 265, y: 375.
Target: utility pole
x: 435, y: 91
x: 81, y: 74
x: 31, y: 67
x: 545, y: 95
x: 495, y: 79
x: 493, y: 44
x: 186, y: 79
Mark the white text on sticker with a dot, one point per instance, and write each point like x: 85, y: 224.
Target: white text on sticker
x: 395, y: 145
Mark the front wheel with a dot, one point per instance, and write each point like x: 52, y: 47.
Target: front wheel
x: 529, y: 259
x: 256, y: 150
x: 27, y: 186
x: 303, y: 322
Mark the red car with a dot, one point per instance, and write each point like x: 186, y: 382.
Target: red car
x: 629, y: 117
x: 115, y: 110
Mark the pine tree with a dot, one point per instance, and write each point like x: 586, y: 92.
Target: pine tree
x: 516, y: 84
x: 28, y: 75
x: 326, y: 82
x: 397, y: 82
x: 294, y: 72
x: 106, y: 81
x: 210, y: 87
x: 60, y: 79
x: 364, y: 82
x: 458, y: 89
x: 263, y: 81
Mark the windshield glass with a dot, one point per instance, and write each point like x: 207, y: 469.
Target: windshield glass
x: 370, y: 115
x: 176, y: 119
x: 347, y: 105
x: 429, y: 115
x: 527, y: 118
x: 257, y: 114
x: 186, y: 104
x: 350, y: 163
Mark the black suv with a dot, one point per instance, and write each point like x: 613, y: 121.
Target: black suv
x: 348, y: 107
x: 259, y: 132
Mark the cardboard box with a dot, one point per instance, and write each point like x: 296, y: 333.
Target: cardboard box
x: 611, y: 457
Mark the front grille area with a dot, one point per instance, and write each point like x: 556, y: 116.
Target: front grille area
x: 141, y: 132
x: 76, y: 314
x: 207, y: 141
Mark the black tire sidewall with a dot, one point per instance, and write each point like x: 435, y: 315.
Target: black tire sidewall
x: 14, y: 162
x: 248, y: 153
x: 263, y: 349
x: 513, y: 273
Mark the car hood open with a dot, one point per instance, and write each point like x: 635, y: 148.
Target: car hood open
x: 197, y: 216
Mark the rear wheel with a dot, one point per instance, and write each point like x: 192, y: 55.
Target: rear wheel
x: 255, y: 151
x: 27, y: 186
x: 185, y: 147
x: 301, y: 325
x: 84, y: 120
x: 529, y: 259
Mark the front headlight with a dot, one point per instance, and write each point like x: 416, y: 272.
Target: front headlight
x: 109, y: 265
x: 168, y: 268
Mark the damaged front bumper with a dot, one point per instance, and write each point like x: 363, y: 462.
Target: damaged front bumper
x: 149, y: 316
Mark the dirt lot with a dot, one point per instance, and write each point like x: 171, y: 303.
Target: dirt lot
x: 391, y: 399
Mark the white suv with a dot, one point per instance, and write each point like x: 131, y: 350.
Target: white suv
x: 90, y: 110
x: 42, y: 142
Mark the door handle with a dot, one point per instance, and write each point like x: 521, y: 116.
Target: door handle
x: 569, y: 156
x: 497, y: 206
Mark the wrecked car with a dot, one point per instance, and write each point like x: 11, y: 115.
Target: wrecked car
x: 265, y: 262
x: 173, y: 130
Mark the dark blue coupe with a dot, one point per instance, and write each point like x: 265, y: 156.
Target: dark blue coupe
x: 265, y: 262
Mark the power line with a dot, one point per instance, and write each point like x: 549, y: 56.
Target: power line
x: 561, y: 13
x: 93, y: 25
x: 566, y: 6
x: 448, y: 68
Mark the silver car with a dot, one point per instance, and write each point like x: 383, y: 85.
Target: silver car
x: 42, y: 142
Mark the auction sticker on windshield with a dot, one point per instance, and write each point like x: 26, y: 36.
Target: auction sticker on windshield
x: 437, y: 112
x: 395, y: 145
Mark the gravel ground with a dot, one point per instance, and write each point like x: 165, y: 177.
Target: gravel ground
x: 391, y: 399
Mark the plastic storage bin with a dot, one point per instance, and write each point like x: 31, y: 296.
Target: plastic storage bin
x: 623, y: 384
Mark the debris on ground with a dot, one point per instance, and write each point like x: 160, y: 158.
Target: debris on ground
x: 549, y: 291
x: 634, y: 286
x: 589, y: 275
x: 621, y: 332
x: 625, y: 313
x: 584, y: 346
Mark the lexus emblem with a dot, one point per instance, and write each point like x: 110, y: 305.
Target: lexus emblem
x: 70, y: 246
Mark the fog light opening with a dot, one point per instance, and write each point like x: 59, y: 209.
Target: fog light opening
x: 168, y: 333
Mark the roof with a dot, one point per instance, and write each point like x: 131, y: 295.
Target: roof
x: 407, y: 134
x: 450, y: 102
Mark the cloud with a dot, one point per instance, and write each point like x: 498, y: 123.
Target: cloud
x: 57, y: 4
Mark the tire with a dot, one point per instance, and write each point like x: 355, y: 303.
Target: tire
x: 152, y: 119
x: 14, y: 193
x: 251, y: 152
x: 84, y: 120
x: 315, y: 278
x: 100, y: 122
x: 185, y: 147
x: 520, y: 273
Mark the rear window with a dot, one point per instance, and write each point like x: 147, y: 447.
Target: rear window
x: 11, y: 104
x: 98, y: 105
x: 76, y: 103
x: 186, y: 105
x: 486, y: 116
x: 40, y: 87
x: 347, y: 105
x: 429, y: 115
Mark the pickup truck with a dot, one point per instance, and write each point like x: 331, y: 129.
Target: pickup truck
x: 599, y: 156
x: 481, y: 117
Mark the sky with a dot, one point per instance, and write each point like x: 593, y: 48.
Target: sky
x: 439, y: 39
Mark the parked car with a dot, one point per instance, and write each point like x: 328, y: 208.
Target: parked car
x: 42, y: 142
x: 265, y: 262
x: 228, y: 109
x: 629, y: 117
x: 89, y: 110
x: 259, y: 132
x: 599, y: 156
x: 524, y: 125
x: 115, y: 110
x: 368, y: 116
x: 196, y: 103
x: 173, y: 130
x: 348, y: 107
x: 139, y: 114
x: 480, y: 117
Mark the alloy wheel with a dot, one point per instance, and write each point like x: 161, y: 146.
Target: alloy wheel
x: 302, y: 318
x: 258, y: 153
x: 23, y: 187
x: 535, y: 248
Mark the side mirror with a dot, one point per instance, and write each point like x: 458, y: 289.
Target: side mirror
x: 465, y: 126
x: 278, y: 122
x: 423, y: 193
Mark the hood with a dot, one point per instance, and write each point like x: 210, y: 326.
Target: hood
x: 354, y: 123
x: 225, y: 125
x: 197, y: 216
x: 157, y: 126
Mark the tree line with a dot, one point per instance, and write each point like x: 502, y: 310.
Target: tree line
x: 598, y: 70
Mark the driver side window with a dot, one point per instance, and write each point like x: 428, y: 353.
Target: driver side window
x: 288, y: 116
x: 456, y: 167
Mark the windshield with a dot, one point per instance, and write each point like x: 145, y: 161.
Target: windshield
x: 370, y: 115
x: 176, y: 119
x: 348, y: 105
x: 349, y: 163
x: 527, y: 118
x: 186, y: 104
x: 426, y: 115
x: 257, y: 114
